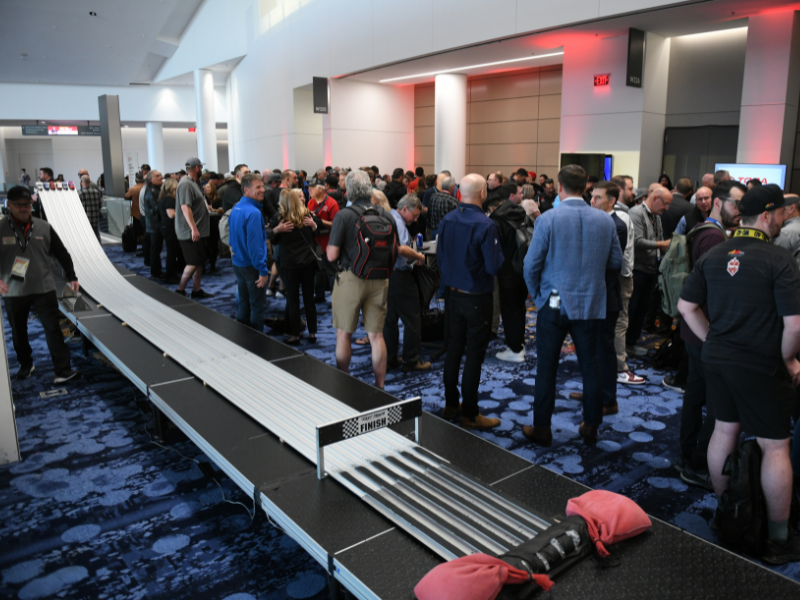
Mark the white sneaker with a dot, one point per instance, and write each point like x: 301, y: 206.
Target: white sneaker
x: 270, y: 292
x: 636, y: 350
x: 628, y: 378
x: 279, y: 294
x: 509, y: 356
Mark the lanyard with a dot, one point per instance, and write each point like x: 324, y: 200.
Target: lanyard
x: 751, y: 233
x: 26, y: 234
x: 652, y: 218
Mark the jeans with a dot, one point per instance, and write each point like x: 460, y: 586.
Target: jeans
x: 512, y: 309
x: 643, y: 286
x: 156, y: 242
x: 293, y: 278
x: 403, y: 304
x: 469, y: 318
x: 251, y: 301
x: 626, y: 290
x: 18, y: 308
x: 695, y: 432
x: 552, y: 326
x: 607, y: 357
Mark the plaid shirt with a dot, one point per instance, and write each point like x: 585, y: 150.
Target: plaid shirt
x: 440, y: 204
x: 92, y: 200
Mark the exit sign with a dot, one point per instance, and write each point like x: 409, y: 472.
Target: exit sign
x: 601, y: 80
x: 192, y: 129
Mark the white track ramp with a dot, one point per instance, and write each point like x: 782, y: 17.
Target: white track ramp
x: 379, y: 467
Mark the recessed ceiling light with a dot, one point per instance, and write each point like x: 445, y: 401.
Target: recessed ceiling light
x: 457, y: 69
x: 92, y: 13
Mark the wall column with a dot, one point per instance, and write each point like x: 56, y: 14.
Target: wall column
x: 155, y: 145
x: 231, y: 139
x: 206, y: 120
x: 450, y: 124
x: 770, y: 91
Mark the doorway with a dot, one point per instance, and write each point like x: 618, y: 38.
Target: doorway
x: 694, y: 151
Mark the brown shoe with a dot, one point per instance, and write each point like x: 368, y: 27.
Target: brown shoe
x: 451, y: 412
x: 542, y: 436
x: 576, y: 395
x: 611, y: 410
x: 480, y: 423
x: 417, y: 366
x: 588, y: 433
x: 393, y: 363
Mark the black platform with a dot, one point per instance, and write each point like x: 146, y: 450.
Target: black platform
x: 366, y: 552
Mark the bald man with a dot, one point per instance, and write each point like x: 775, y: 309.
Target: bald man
x: 470, y: 256
x: 699, y: 212
x: 649, y: 246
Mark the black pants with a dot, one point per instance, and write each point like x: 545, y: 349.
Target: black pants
x: 469, y: 318
x: 403, y: 304
x: 156, y: 243
x: 46, y: 306
x: 512, y: 309
x: 323, y: 281
x: 212, y: 242
x: 607, y: 357
x: 695, y: 431
x: 146, y: 249
x: 643, y: 286
x: 294, y: 278
x: 175, y: 262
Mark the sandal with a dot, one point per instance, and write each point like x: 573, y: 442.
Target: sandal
x: 363, y: 341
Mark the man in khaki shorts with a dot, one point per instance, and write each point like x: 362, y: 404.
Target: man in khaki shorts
x: 353, y: 296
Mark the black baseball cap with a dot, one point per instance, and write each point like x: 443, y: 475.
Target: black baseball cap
x: 761, y: 198
x: 332, y: 180
x: 273, y: 177
x: 18, y: 192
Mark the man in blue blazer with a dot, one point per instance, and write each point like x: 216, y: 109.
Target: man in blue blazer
x: 565, y: 269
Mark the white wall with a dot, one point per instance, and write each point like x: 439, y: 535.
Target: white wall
x: 307, y: 132
x: 79, y: 102
x: 616, y: 119
x: 69, y: 154
x: 706, y: 72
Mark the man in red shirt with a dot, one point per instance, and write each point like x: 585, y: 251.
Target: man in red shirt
x: 324, y: 207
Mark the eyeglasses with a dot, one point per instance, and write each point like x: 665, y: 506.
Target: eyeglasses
x: 21, y: 204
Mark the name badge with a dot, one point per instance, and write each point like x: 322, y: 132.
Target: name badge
x: 20, y: 267
x: 9, y: 241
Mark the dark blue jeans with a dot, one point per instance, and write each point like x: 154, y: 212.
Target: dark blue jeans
x: 552, y: 327
x: 251, y: 302
x: 607, y: 357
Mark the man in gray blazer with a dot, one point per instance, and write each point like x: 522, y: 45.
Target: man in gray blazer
x: 649, y: 247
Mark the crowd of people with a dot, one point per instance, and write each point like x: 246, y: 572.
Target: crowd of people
x: 586, y: 252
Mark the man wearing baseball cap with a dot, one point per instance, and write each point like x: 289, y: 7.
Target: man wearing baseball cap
x: 26, y: 281
x: 750, y: 344
x: 192, y: 224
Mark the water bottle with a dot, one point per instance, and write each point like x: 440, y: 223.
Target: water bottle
x: 555, y: 300
x: 419, y: 241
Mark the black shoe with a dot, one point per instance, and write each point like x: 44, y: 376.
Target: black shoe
x: 670, y: 382
x: 202, y: 294
x: 181, y: 292
x: 779, y: 554
x: 696, y: 477
x: 393, y: 363
x: 160, y: 277
x: 66, y: 376
x: 140, y: 253
x: 25, y: 372
x: 321, y: 300
x: 292, y: 341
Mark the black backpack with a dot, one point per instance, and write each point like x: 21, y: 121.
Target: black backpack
x: 669, y: 354
x: 742, y: 512
x: 523, y: 235
x: 376, y: 240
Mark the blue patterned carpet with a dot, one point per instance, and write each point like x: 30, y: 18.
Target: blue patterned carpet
x: 95, y: 510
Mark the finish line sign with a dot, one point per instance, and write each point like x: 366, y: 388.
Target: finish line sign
x: 366, y: 422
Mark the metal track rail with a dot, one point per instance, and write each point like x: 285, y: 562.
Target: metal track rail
x: 448, y: 512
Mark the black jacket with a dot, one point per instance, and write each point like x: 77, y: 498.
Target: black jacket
x: 231, y: 193
x: 670, y: 219
x: 338, y: 196
x: 296, y: 245
x: 394, y: 191
x: 508, y: 217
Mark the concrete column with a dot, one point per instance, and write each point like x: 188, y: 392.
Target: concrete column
x: 450, y: 124
x: 771, y: 89
x: 155, y: 145
x: 5, y: 169
x: 232, y: 104
x: 206, y: 120
x: 111, y: 140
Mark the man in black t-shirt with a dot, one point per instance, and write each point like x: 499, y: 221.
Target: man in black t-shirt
x: 751, y: 340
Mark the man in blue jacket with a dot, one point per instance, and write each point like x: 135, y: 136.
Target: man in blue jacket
x: 565, y: 270
x: 248, y: 241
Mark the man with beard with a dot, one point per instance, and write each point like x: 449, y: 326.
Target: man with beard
x: 698, y: 214
x: 695, y: 432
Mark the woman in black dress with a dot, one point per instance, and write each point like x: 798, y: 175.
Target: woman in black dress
x: 293, y: 228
